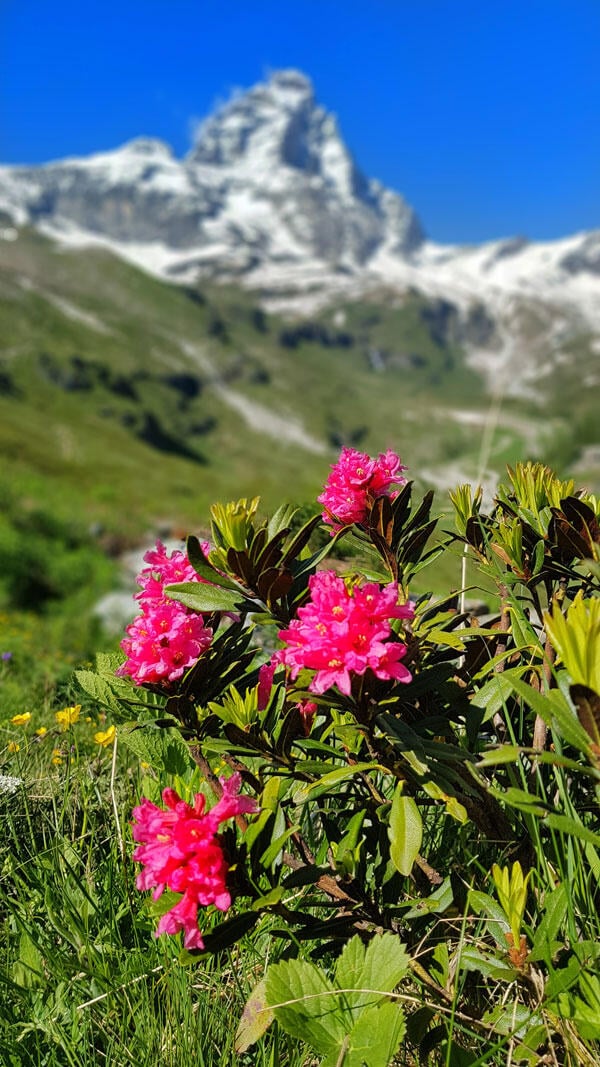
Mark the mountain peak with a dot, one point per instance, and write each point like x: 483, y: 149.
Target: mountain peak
x: 255, y: 122
x: 269, y: 182
x: 291, y: 81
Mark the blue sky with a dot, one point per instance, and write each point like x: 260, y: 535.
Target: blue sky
x: 486, y: 115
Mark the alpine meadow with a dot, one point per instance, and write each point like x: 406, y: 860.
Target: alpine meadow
x: 299, y: 615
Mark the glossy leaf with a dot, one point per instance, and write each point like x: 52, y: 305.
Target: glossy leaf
x: 405, y: 831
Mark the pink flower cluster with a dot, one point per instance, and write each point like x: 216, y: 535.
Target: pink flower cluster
x: 166, y: 638
x: 355, y: 482
x: 342, y: 632
x: 181, y: 851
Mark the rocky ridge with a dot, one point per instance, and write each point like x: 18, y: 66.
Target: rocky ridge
x: 270, y: 197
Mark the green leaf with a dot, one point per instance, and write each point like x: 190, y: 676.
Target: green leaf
x: 498, y: 924
x: 502, y: 754
x: 269, y: 899
x: 494, y: 694
x: 553, y: 708
x: 573, y: 828
x: 272, y: 853
x: 575, y: 637
x: 521, y: 800
x: 280, y: 520
x: 163, y: 749
x: 349, y: 969
x: 446, y: 637
x: 256, y: 1018
x: 473, y: 960
x: 386, y: 963
x: 205, y: 569
x: 98, y: 689
x: 306, y: 1004
x: 202, y: 597
x: 108, y: 662
x: 229, y: 932
x: 555, y: 910
x: 435, y: 904
x: 331, y: 779
x: 405, y: 831
x: 375, y: 1037
x: 376, y: 969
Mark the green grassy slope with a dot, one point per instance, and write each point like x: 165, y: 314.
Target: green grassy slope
x: 130, y: 398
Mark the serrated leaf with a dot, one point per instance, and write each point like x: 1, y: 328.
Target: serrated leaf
x: 405, y: 831
x: 306, y: 1004
x: 349, y: 969
x: 108, y: 662
x: 376, y: 1035
x: 98, y: 689
x: 163, y: 749
x: 256, y: 1018
x: 386, y: 962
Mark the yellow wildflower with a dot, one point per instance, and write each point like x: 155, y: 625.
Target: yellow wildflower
x: 22, y: 719
x: 105, y: 737
x: 56, y: 756
x: 41, y: 731
x: 68, y: 716
x: 13, y: 746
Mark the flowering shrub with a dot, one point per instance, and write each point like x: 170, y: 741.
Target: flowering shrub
x: 344, y: 632
x: 180, y: 850
x: 355, y: 482
x: 165, y: 639
x: 362, y: 738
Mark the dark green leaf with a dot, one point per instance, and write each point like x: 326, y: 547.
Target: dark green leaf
x: 202, y: 597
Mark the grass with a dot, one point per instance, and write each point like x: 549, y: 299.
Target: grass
x: 91, y: 403
x: 84, y: 981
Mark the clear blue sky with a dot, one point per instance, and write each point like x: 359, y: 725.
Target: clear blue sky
x: 486, y: 115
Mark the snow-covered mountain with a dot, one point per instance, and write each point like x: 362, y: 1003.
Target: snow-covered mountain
x: 270, y: 197
x: 269, y: 181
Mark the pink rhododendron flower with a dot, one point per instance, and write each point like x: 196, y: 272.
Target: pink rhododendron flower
x: 342, y: 632
x: 164, y: 569
x: 163, y: 643
x: 355, y: 482
x: 180, y: 850
x: 265, y: 684
x: 167, y: 638
x: 308, y: 709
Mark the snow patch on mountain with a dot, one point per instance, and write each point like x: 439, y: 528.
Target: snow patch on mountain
x: 271, y: 198
x: 258, y: 417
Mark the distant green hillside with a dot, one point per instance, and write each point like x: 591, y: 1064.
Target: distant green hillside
x: 136, y: 402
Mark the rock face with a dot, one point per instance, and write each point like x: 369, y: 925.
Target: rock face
x: 269, y: 179
x: 271, y: 198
